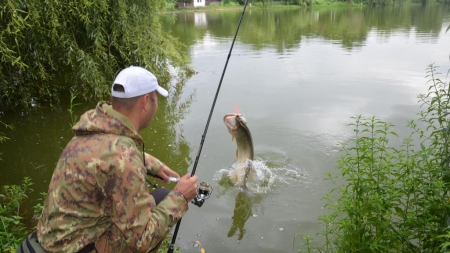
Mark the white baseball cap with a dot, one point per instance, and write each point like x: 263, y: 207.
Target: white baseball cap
x: 136, y: 81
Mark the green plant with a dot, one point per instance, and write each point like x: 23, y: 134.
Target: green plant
x: 2, y: 136
x: 225, y: 2
x: 12, y: 228
x: 392, y: 198
x: 445, y: 247
x: 37, y: 209
x: 73, y: 117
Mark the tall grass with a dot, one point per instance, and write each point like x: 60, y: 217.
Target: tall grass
x: 392, y: 198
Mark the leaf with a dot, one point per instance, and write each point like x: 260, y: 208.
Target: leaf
x: 11, y: 5
x: 16, y: 61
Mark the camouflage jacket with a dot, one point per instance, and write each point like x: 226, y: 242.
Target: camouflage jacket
x: 98, y: 191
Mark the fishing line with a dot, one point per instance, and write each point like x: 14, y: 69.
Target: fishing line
x: 174, y: 237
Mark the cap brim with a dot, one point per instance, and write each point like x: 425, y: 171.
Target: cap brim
x: 163, y: 92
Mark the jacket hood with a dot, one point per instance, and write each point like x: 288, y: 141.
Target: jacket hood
x: 102, y: 120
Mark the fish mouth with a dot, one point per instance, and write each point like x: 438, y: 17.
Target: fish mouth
x: 234, y: 121
x: 230, y: 120
x: 236, y: 125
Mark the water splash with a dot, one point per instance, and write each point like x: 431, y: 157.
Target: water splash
x: 266, y: 178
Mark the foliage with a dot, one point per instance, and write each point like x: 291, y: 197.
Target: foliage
x: 230, y: 3
x: 303, y: 3
x: 49, y: 48
x: 392, y: 199
x: 2, y: 136
x: 171, y: 4
x: 13, y: 227
x: 73, y: 116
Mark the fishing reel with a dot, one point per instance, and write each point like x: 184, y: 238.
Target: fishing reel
x: 204, y: 192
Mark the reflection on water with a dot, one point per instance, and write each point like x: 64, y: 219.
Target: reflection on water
x: 242, y: 211
x: 284, y: 29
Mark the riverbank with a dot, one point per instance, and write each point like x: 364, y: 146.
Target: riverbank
x: 234, y: 6
x: 261, y: 6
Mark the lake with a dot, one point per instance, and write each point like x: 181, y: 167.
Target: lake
x: 298, y: 76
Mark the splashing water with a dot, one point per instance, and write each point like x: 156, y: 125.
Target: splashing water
x: 265, y: 178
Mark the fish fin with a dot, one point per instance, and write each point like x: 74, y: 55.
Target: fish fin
x: 232, y: 138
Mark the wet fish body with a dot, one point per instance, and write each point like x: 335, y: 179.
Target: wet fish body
x: 237, y: 127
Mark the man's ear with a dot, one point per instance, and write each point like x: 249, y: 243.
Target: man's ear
x: 153, y: 96
x: 144, y: 101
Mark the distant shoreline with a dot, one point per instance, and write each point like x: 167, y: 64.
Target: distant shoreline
x: 274, y: 6
x: 209, y: 8
x: 239, y: 7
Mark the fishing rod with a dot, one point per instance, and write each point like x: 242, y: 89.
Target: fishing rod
x: 204, y: 187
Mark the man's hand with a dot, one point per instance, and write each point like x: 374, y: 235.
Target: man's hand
x: 187, y: 186
x: 164, y: 173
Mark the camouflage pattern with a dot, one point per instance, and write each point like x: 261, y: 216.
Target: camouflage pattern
x: 98, y: 191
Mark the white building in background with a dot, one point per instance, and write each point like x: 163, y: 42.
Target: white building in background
x: 199, y: 3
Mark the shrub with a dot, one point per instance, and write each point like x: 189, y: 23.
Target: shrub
x: 387, y: 198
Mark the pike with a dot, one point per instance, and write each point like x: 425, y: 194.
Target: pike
x: 237, y: 127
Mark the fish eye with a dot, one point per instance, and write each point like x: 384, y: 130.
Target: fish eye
x: 241, y: 119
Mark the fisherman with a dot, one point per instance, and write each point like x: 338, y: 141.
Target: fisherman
x: 98, y: 199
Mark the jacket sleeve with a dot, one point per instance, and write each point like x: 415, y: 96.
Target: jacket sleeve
x: 142, y: 223
x: 152, y: 164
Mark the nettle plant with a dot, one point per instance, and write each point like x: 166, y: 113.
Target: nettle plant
x: 392, y: 198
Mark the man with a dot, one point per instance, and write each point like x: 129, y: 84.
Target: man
x: 98, y: 198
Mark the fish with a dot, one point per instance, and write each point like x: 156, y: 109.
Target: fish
x: 237, y: 127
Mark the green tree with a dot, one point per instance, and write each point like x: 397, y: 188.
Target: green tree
x: 51, y: 48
